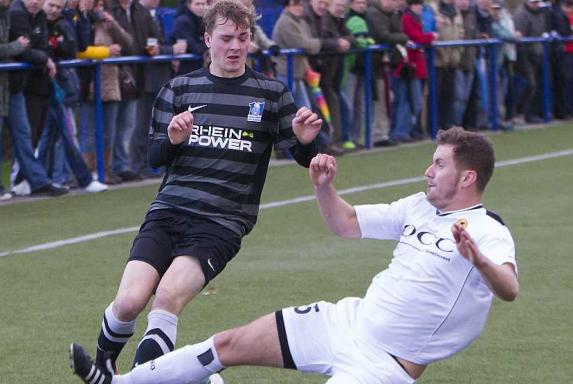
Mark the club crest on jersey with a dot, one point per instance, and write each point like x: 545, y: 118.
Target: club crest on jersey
x: 462, y: 223
x: 256, y: 109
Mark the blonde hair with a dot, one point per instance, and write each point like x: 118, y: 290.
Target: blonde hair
x: 233, y: 10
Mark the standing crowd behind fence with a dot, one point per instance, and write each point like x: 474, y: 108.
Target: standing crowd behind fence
x: 380, y: 72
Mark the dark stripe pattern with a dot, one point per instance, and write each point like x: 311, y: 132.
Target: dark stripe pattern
x: 220, y: 172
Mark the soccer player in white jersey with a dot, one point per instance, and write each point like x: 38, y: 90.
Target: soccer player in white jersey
x: 432, y: 301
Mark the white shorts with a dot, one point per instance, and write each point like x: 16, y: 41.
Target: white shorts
x: 318, y: 338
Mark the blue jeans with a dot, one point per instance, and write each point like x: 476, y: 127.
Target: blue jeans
x: 140, y: 135
x: 58, y: 139
x: 2, y: 122
x: 21, y: 138
x: 88, y: 126
x: 406, y: 107
x: 355, y: 91
x: 345, y: 115
x: 463, y: 90
x: 126, y: 120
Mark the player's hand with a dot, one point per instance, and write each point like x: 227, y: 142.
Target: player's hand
x: 306, y: 125
x: 180, y: 127
x: 466, y: 245
x: 322, y: 170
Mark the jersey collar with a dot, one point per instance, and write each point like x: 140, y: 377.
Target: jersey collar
x: 477, y: 206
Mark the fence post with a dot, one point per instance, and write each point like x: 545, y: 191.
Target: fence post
x: 368, y: 97
x: 433, y: 110
x: 492, y: 48
x: 545, y: 71
x: 99, y: 136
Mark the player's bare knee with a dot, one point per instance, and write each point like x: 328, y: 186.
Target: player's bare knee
x: 228, y: 347
x: 168, y: 301
x: 127, y: 306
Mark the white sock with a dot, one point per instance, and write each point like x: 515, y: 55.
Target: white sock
x: 166, y: 322
x: 118, y: 326
x: 159, y: 338
x: 191, y: 364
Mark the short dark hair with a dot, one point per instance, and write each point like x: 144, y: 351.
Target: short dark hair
x: 229, y: 10
x: 471, y: 151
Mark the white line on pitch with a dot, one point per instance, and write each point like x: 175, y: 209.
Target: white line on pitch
x: 282, y: 203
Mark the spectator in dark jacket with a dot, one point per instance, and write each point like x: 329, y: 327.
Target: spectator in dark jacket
x: 136, y: 20
x: 57, y: 148
x: 530, y: 20
x: 8, y: 50
x: 156, y: 75
x: 29, y: 20
x: 563, y: 60
x: 333, y: 40
x: 466, y: 71
x: 385, y: 26
x: 77, y: 14
x: 188, y: 26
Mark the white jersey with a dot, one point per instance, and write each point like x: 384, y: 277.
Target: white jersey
x: 431, y: 302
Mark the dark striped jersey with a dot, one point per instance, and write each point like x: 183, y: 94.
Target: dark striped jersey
x: 220, y: 171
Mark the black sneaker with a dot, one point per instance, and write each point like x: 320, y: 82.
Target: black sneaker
x: 50, y: 190
x: 84, y: 367
x: 129, y: 176
x: 385, y: 143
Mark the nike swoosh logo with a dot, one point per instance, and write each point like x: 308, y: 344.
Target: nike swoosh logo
x: 211, y: 265
x: 192, y: 109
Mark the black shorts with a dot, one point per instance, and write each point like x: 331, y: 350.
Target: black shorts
x: 167, y: 233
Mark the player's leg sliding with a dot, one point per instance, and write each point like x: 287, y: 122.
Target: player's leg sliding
x: 113, y: 336
x: 159, y: 337
x: 192, y: 364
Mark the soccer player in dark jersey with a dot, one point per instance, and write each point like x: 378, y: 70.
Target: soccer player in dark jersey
x: 214, y: 129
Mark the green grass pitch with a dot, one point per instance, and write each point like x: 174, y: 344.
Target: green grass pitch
x: 51, y: 298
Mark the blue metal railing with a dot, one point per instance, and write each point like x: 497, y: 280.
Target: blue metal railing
x: 492, y: 45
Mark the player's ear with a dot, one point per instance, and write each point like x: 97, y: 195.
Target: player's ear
x: 207, y: 39
x: 469, y: 177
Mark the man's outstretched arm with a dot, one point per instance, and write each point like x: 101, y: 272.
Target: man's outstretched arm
x: 338, y: 215
x: 502, y: 279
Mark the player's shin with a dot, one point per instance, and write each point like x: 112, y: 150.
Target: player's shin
x: 159, y: 337
x: 114, y: 334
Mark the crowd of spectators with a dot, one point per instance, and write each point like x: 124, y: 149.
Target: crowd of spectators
x: 49, y: 111
x: 399, y: 84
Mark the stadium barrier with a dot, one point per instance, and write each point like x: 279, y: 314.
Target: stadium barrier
x: 491, y: 46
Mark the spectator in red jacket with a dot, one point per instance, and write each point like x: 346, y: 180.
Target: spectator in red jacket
x: 409, y: 73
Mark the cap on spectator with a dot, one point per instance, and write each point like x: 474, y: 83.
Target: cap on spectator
x: 498, y: 4
x: 415, y: 2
